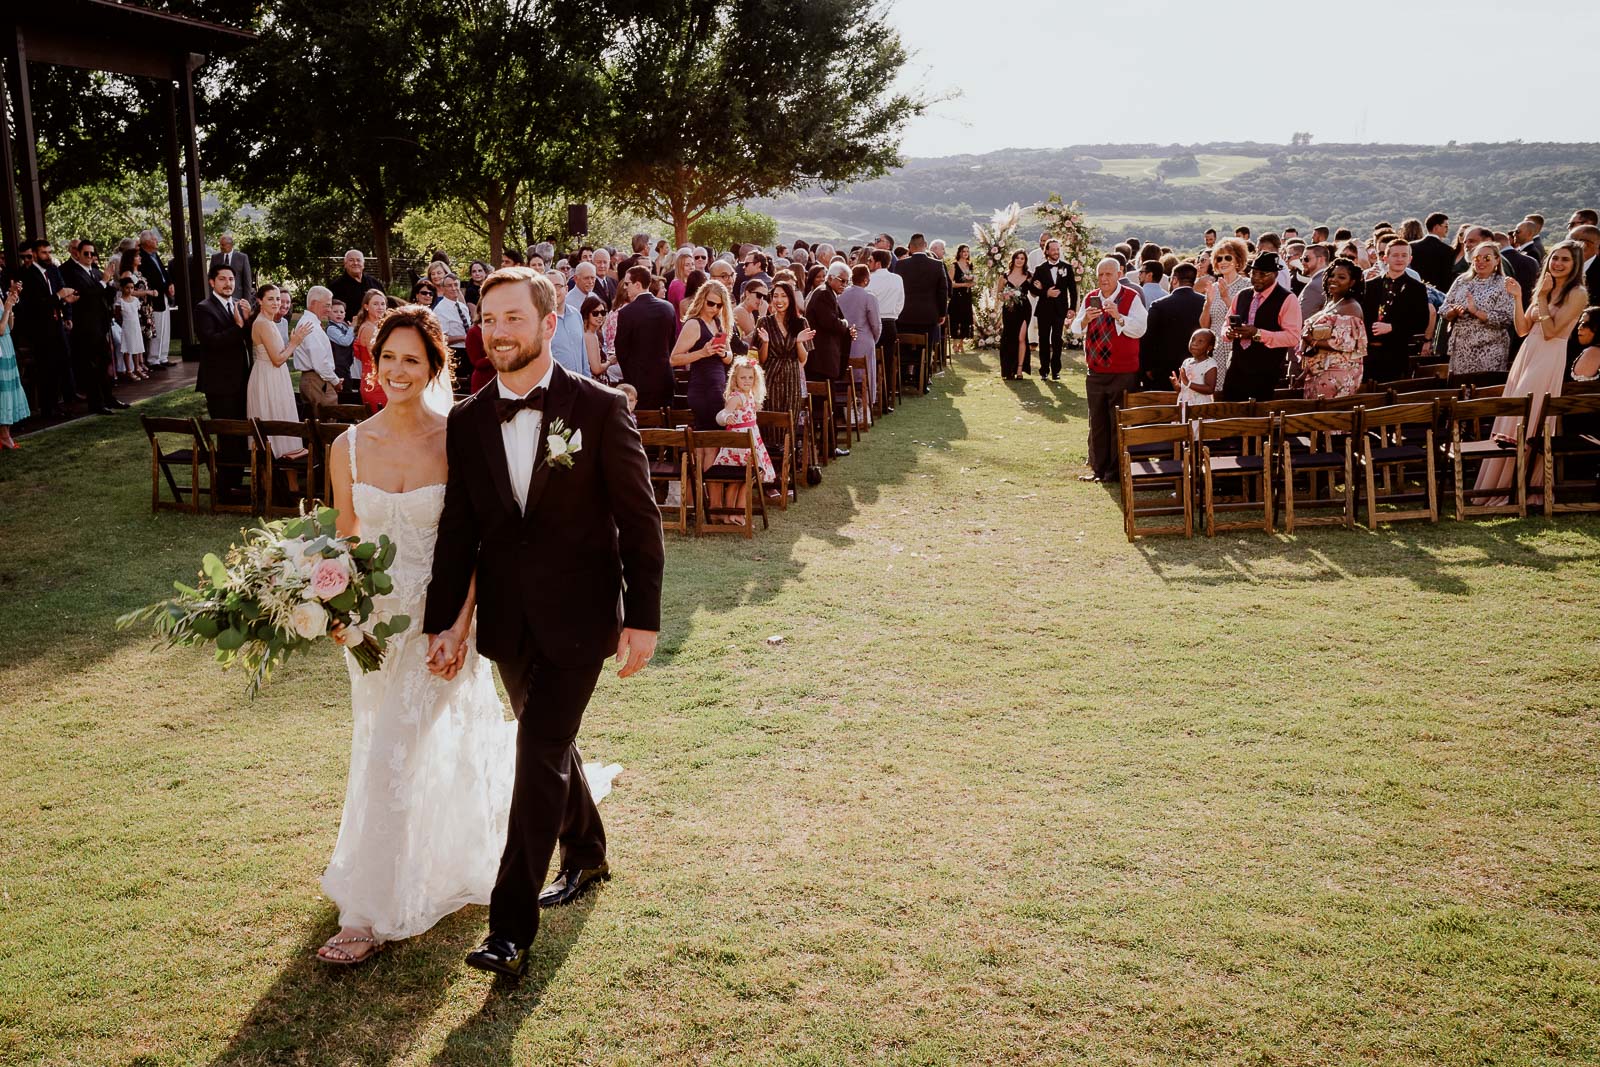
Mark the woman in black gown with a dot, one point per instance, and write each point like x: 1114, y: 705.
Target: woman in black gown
x: 1011, y: 290
x: 961, y: 297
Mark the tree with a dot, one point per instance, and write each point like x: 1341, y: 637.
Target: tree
x: 734, y: 226
x: 712, y: 109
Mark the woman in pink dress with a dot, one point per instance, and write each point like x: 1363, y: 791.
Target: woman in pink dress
x: 1333, y: 346
x: 1558, y: 300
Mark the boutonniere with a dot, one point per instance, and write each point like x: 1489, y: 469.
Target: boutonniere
x: 561, y: 444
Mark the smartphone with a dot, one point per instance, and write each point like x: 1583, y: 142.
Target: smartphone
x: 1236, y: 320
x: 720, y: 339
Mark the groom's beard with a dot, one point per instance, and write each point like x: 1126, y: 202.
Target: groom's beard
x: 509, y: 360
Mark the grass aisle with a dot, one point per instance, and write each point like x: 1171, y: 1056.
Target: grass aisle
x: 1011, y: 790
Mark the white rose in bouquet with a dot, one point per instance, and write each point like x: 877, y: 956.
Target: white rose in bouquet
x: 309, y: 619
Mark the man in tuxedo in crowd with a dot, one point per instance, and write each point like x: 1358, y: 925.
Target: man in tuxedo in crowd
x: 605, y: 284
x: 645, y: 332
x: 350, y: 286
x: 244, y: 279
x: 1396, y: 309
x: 164, y: 291
x: 1527, y: 238
x: 220, y: 325
x: 1264, y: 328
x: 39, y: 315
x: 1165, y: 344
x: 927, y: 286
x: 1057, y: 289
x: 1432, y: 256
x: 830, y: 349
x: 1519, y: 264
x: 90, y: 327
x: 1314, y: 266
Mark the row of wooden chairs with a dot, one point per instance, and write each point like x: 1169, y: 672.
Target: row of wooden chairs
x: 1396, y: 449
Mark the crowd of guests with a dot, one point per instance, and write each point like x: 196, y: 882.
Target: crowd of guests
x: 1329, y: 314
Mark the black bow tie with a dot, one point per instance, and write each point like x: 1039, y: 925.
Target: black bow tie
x: 507, y: 409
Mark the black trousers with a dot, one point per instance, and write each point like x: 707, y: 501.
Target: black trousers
x: 550, y: 804
x: 1050, y: 344
x: 230, y: 450
x: 91, y: 359
x: 1254, y: 373
x: 1105, y: 391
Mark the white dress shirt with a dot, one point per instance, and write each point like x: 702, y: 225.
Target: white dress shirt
x: 521, y: 438
x: 454, y: 319
x: 890, y: 289
x: 315, y: 353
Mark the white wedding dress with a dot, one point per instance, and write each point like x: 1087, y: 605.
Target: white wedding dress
x: 431, y: 761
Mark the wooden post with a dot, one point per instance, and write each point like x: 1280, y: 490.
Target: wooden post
x: 10, y: 228
x: 27, y: 143
x: 184, y: 265
x: 197, y: 225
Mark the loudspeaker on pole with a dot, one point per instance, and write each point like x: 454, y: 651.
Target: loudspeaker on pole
x: 577, y: 220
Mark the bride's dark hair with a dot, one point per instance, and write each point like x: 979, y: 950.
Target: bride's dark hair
x: 415, y: 317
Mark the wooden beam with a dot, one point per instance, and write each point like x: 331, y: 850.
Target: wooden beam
x: 27, y: 142
x: 85, y: 52
x: 184, y: 75
x: 10, y: 226
x: 182, y: 261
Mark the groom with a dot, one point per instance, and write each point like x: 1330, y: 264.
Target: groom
x: 568, y: 560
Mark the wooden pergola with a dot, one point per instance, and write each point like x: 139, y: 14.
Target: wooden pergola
x: 116, y: 38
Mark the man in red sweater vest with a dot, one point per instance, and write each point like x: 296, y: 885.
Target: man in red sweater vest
x: 1111, y: 321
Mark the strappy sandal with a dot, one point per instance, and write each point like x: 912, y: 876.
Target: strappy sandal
x: 339, y: 957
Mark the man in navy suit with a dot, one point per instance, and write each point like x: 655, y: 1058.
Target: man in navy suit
x: 1172, y: 320
x: 645, y: 328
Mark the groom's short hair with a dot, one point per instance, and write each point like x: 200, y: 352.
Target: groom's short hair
x: 539, y: 287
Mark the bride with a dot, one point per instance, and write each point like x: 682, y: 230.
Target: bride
x: 432, y: 758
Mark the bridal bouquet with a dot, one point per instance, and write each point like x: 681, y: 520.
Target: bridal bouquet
x: 284, y: 588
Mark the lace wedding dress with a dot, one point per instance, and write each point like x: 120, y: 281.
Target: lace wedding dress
x: 431, y: 761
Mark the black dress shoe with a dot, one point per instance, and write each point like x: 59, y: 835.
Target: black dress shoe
x: 99, y: 411
x: 500, y: 955
x: 571, y: 883
x: 119, y: 403
x: 840, y: 453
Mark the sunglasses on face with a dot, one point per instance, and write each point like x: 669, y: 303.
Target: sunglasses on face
x: 1224, y: 258
x: 716, y: 306
x: 758, y: 294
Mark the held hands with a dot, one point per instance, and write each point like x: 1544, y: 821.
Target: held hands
x: 1052, y: 292
x: 634, y: 649
x: 447, y: 652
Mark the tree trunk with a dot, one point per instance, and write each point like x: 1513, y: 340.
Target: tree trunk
x: 380, y: 246
x: 680, y: 226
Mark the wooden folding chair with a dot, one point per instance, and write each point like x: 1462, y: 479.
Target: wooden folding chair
x: 778, y: 435
x: 918, y: 343
x: 273, y: 468
x: 824, y: 434
x: 861, y: 407
x: 891, y: 372
x: 668, y: 452
x: 185, y: 497
x: 747, y: 474
x: 650, y: 418
x: 1399, y: 437
x: 1477, y: 380
x: 880, y: 403
x: 1152, y: 415
x: 1564, y: 442
x: 683, y: 416
x: 230, y: 449
x: 1295, y: 405
x: 1438, y: 370
x: 326, y: 434
x: 1410, y: 385
x: 1319, y: 443
x: 1470, y: 422
x: 344, y: 414
x: 844, y: 408
x: 1251, y: 465
x: 1223, y: 409
x: 1173, y: 467
x: 1140, y: 398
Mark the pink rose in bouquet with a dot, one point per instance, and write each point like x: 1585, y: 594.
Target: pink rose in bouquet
x: 330, y: 578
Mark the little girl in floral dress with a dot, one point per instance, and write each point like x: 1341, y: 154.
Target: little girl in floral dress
x: 742, y: 399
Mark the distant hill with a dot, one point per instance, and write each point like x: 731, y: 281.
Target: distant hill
x: 1123, y: 190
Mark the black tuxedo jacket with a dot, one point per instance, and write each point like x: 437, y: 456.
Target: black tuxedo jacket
x: 1165, y: 344
x: 645, y: 327
x: 155, y: 276
x: 1435, y: 260
x: 244, y: 277
x: 830, y: 348
x: 1408, y: 314
x: 38, y: 312
x: 1063, y: 279
x: 224, y: 349
x: 927, y: 293
x: 560, y: 579
x: 91, y: 312
x: 1524, y: 268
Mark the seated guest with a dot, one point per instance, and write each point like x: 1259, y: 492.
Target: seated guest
x: 645, y: 330
x: 1333, y: 344
x: 1397, y: 315
x: 1111, y: 320
x: 1264, y: 327
x: 1165, y: 344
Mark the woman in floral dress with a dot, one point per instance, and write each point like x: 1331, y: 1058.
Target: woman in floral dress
x: 1333, y: 347
x: 1480, y: 313
x: 1228, y: 261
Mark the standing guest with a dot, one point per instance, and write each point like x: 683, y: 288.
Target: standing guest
x: 961, y: 276
x: 1397, y: 313
x: 1111, y: 320
x: 374, y: 308
x: 782, y: 338
x: 682, y: 267
x: 13, y: 399
x: 137, y: 350
x: 927, y: 293
x: 831, y: 347
x: 1431, y: 254
x: 511, y: 257
x: 221, y: 325
x: 1210, y: 237
x: 1588, y: 237
x: 1313, y: 264
x: 860, y: 310
x: 1165, y: 344
x: 566, y: 345
x: 1150, y: 275
x: 1527, y: 237
x: 455, y: 319
x: 703, y: 346
x: 281, y: 319
x: 594, y: 317
x: 243, y: 274
x: 665, y: 260
x: 483, y: 371
x: 128, y: 307
x: 1228, y: 261
x: 1056, y: 287
x: 270, y: 391
x: 40, y: 310
x: 753, y: 269
x: 1011, y: 292
x: 1264, y: 327
x: 438, y: 269
x: 890, y: 290
x: 477, y: 271
x: 1479, y: 314
x: 91, y: 324
x: 605, y: 285
x: 1541, y: 364
x: 320, y: 382
x: 353, y: 282
x: 1333, y: 342
x: 423, y: 293
x: 747, y: 314
x: 162, y: 291
x: 645, y: 328
x: 722, y: 270
x: 584, y: 279
x: 342, y: 338
x: 1196, y: 377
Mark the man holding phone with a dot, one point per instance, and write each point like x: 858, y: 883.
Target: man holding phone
x: 1110, y: 321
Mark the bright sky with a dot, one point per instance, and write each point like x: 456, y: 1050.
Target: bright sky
x: 1006, y: 59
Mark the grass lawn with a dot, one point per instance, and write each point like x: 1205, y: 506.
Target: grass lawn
x: 1011, y: 791
x: 1214, y: 169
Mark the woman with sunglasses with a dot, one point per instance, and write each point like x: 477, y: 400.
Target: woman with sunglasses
x: 423, y: 293
x: 703, y: 347
x: 593, y: 311
x: 1227, y: 262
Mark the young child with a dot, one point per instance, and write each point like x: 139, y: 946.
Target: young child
x: 1587, y: 366
x: 342, y: 339
x: 132, y: 357
x: 747, y: 388
x: 1196, y: 380
x: 633, y: 398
